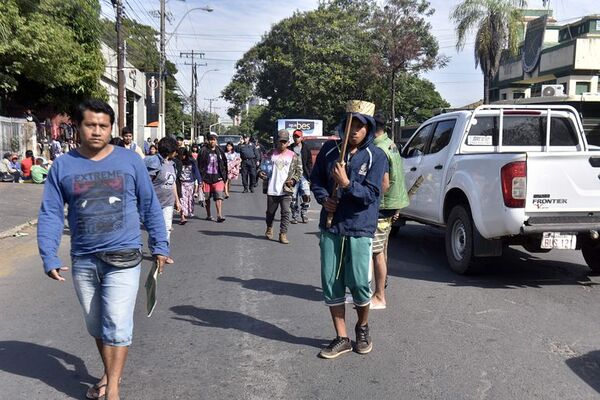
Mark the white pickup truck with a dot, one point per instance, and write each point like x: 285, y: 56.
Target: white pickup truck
x: 505, y: 175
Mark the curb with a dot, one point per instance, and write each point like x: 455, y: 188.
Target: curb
x: 16, y: 229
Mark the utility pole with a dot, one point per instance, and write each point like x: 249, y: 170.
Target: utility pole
x: 161, y: 105
x: 210, y: 101
x: 118, y: 4
x: 193, y: 54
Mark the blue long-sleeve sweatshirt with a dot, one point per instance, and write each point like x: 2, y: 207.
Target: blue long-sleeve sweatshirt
x: 105, y: 199
x: 358, y: 207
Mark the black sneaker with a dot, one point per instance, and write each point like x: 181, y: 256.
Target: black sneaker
x: 245, y: 190
x: 337, y: 347
x: 364, y: 344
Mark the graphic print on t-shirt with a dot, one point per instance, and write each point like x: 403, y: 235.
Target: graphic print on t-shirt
x: 212, y: 167
x: 100, y: 202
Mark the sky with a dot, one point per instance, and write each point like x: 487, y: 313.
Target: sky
x: 235, y: 26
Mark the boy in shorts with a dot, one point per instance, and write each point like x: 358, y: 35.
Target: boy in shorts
x: 212, y: 164
x: 346, y: 246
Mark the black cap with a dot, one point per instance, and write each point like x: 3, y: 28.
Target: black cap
x: 379, y: 120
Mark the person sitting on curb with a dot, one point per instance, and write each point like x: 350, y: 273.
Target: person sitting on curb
x: 346, y: 243
x: 38, y: 172
x: 281, y: 169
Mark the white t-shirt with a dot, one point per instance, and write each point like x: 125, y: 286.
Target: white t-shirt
x: 282, y: 163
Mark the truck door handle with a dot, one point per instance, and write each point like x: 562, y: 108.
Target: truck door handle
x: 438, y: 167
x: 413, y: 169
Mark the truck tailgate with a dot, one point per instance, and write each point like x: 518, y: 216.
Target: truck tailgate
x: 563, y: 182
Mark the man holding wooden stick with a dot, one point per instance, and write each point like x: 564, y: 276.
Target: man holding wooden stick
x: 346, y: 180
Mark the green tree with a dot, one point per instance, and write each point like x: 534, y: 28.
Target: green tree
x: 308, y: 65
x: 52, y: 56
x: 404, y: 43
x: 497, y: 23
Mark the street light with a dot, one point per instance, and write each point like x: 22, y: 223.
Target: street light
x: 206, y: 8
x: 163, y: 45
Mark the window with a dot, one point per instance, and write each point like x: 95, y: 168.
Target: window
x: 418, y: 144
x: 518, y: 95
x: 562, y: 132
x: 483, y: 132
x: 522, y: 130
x: 582, y: 87
x: 503, y: 96
x: 441, y: 135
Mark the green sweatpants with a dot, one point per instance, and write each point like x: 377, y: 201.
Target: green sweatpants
x: 345, y: 263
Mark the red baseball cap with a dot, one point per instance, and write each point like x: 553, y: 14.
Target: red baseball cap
x: 298, y: 133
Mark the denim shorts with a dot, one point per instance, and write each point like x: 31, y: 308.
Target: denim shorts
x: 107, y: 295
x: 345, y: 263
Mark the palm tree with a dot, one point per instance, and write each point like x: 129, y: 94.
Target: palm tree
x: 497, y: 23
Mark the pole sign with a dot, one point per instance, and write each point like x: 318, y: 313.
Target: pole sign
x: 534, y: 43
x: 309, y: 127
x: 152, y: 97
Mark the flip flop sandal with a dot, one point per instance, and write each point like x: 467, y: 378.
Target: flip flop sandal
x: 220, y: 219
x: 93, y: 392
x: 210, y: 218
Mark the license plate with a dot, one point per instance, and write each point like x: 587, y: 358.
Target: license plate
x: 558, y: 240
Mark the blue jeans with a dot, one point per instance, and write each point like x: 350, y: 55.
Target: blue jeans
x: 107, y: 296
x: 300, y: 198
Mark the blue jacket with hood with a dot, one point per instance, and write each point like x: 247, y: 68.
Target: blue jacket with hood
x: 358, y: 206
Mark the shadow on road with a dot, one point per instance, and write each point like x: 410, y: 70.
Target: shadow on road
x: 306, y: 292
x: 248, y: 217
x: 418, y: 252
x: 587, y: 367
x: 238, y: 321
x: 233, y: 234
x: 62, y: 371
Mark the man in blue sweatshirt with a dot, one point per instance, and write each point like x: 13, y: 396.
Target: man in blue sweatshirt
x: 346, y: 246
x: 107, y: 190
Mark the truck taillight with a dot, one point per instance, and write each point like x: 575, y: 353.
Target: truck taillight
x: 514, y: 184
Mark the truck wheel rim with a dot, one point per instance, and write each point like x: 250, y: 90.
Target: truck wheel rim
x: 459, y: 240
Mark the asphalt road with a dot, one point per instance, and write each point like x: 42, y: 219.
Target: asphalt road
x: 241, y: 317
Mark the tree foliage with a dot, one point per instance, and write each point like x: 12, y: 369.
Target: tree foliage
x: 49, y: 52
x: 310, y: 64
x: 403, y: 43
x: 497, y: 24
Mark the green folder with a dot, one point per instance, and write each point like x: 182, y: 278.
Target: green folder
x: 151, y: 284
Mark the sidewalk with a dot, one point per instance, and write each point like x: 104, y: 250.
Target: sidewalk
x: 20, y: 203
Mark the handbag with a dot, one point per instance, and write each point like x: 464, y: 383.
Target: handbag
x: 126, y: 258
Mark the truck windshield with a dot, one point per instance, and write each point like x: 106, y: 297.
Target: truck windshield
x: 522, y: 130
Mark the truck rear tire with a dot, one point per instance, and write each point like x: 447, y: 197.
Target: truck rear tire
x: 459, y: 240
x: 591, y: 253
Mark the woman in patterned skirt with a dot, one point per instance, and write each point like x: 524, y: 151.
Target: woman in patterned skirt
x: 190, y: 184
x: 234, y: 162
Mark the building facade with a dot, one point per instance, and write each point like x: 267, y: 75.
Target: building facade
x: 135, y: 94
x: 556, y: 63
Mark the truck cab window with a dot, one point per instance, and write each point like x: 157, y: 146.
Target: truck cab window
x: 441, y: 135
x: 418, y: 145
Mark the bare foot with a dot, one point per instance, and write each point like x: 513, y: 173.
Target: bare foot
x: 377, y: 304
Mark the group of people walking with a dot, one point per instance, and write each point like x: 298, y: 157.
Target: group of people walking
x: 110, y: 189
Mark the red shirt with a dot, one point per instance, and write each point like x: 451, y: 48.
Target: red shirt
x: 26, y: 165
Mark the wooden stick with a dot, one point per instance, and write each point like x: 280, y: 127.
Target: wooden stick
x: 330, y: 215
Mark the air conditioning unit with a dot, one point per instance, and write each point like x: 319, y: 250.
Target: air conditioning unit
x: 552, y: 90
